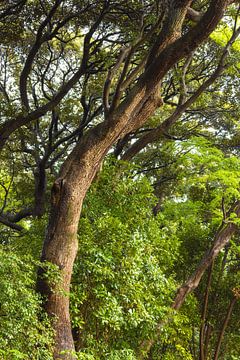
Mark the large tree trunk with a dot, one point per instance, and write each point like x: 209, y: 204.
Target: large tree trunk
x: 60, y: 246
x: 78, y: 171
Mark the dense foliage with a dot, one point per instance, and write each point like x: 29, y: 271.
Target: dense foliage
x: 25, y: 332
x: 130, y: 264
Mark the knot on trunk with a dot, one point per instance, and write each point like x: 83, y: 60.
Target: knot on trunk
x: 56, y: 191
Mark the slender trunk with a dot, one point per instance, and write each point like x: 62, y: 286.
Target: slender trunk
x: 225, y: 323
x: 207, y: 338
x: 193, y: 343
x: 204, y: 313
x: 40, y: 190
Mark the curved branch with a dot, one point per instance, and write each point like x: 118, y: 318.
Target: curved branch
x: 40, y: 39
x: 10, y: 224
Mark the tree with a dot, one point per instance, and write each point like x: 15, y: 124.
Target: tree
x: 67, y: 54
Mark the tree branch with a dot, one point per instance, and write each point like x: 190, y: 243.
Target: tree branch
x: 163, y: 128
x: 204, y: 314
x: 10, y: 224
x: 40, y: 39
x: 10, y: 126
x: 111, y: 72
x: 194, y: 15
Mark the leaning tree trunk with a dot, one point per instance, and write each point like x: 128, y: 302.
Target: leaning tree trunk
x: 78, y: 171
x: 60, y: 246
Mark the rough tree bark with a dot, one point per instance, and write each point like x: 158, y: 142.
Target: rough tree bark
x: 78, y: 171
